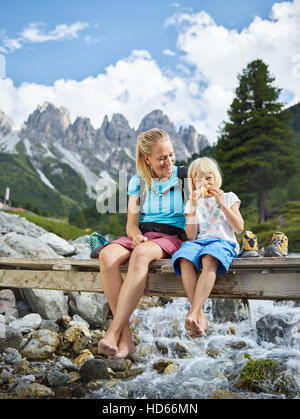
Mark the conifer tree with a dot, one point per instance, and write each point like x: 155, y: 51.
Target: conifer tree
x: 255, y: 149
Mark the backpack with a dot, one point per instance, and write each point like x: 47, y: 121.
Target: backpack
x: 182, y: 172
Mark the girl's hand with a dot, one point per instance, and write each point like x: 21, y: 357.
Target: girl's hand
x: 138, y: 239
x: 218, y: 194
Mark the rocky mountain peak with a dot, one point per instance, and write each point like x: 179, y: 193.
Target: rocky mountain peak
x: 6, y: 124
x: 118, y: 131
x: 47, y: 120
x: 194, y: 142
x: 157, y: 119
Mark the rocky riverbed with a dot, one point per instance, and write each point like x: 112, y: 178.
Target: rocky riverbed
x: 48, y: 340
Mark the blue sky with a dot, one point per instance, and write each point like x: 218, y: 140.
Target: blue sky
x: 188, y: 51
x: 115, y: 28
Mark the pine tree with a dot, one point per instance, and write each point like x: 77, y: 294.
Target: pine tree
x: 255, y: 149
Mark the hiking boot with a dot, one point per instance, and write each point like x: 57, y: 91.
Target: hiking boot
x: 96, y: 241
x: 278, y: 246
x: 250, y: 245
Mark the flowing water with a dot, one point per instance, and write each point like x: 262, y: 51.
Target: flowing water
x: 213, y: 361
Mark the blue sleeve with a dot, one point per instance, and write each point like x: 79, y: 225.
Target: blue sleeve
x: 134, y: 186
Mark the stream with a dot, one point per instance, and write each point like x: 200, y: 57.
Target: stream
x: 206, y: 365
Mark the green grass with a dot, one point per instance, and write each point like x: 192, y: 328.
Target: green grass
x: 288, y: 221
x: 61, y: 228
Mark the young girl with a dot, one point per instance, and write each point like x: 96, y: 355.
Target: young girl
x: 212, y: 219
x: 155, y: 234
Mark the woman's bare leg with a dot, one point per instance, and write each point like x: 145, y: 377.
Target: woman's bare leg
x: 131, y: 291
x: 110, y: 259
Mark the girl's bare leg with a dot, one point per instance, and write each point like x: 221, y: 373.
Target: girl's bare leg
x: 131, y: 291
x: 110, y: 259
x: 203, y: 289
x: 189, y: 280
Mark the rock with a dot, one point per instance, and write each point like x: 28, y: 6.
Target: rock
x: 22, y: 367
x: 162, y: 347
x: 49, y: 324
x: 33, y: 391
x: 6, y: 376
x: 92, y: 307
x: 42, y: 344
x: 276, y: 328
x: 227, y: 310
x: 59, y: 245
x: 267, y: 376
x: 170, y: 368
x: 7, y: 300
x: 23, y: 308
x: 73, y: 332
x: 225, y: 394
x: 93, y: 369
x: 162, y: 364
x: 179, y: 350
x: 83, y: 357
x: 12, y: 356
x: 18, y: 245
x: 14, y: 223
x: 49, y: 304
x: 9, y: 337
x: 118, y: 365
x: 67, y: 363
x: 58, y: 379
x: 27, y: 323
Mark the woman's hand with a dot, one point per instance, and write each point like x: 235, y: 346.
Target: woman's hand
x: 218, y: 194
x: 138, y: 239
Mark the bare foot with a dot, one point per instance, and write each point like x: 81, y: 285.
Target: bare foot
x: 196, y: 323
x: 202, y: 326
x: 126, y: 347
x: 108, y: 345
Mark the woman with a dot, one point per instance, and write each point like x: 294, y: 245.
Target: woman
x: 155, y: 234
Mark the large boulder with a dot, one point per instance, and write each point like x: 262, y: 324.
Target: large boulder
x: 91, y: 306
x: 41, y: 345
x: 59, y: 245
x: 280, y: 328
x: 18, y: 245
x: 49, y: 304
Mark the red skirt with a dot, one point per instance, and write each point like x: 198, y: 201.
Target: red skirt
x: 169, y: 244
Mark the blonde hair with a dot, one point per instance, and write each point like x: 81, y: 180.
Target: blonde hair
x: 205, y: 165
x: 145, y: 142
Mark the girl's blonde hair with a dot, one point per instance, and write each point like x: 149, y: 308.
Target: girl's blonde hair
x: 145, y: 142
x: 204, y: 165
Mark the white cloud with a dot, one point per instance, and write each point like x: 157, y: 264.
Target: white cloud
x: 36, y: 32
x: 169, y: 52
x: 200, y: 89
x: 217, y: 54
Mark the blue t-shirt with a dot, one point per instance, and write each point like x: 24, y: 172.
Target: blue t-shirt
x: 166, y: 209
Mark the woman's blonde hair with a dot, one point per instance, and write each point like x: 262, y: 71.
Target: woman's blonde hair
x: 145, y: 142
x: 204, y: 165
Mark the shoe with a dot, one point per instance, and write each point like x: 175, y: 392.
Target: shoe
x: 250, y: 245
x: 278, y: 246
x: 96, y: 241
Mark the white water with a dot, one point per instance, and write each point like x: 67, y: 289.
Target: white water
x: 201, y: 374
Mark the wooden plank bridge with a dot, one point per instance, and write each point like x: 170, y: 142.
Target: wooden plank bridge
x: 249, y: 278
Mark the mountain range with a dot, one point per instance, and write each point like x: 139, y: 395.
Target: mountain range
x: 54, y: 165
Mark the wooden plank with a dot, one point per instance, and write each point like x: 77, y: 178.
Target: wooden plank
x: 51, y: 280
x: 93, y: 264
x: 274, y: 286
